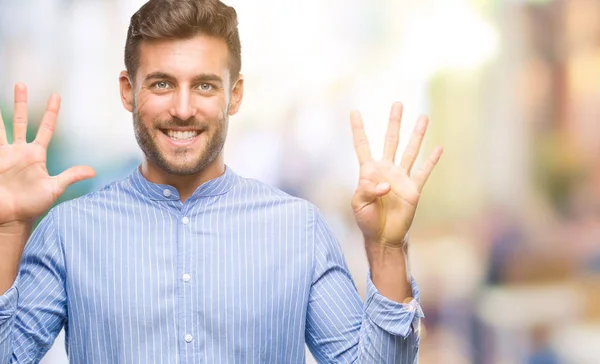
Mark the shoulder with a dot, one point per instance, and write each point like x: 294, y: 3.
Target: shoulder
x: 263, y: 199
x: 260, y: 192
x: 94, y: 201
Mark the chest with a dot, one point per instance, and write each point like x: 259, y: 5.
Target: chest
x: 204, y: 272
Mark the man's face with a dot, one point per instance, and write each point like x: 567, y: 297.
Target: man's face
x: 181, y: 102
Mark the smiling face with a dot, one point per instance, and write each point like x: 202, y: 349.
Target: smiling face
x: 181, y: 100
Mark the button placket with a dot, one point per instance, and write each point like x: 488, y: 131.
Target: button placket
x: 186, y: 276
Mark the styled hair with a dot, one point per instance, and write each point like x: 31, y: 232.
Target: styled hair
x: 183, y: 19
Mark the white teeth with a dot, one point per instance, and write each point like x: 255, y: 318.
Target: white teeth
x: 181, y: 135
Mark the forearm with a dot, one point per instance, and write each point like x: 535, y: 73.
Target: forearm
x: 33, y: 311
x: 379, y: 346
x: 390, y: 330
x: 342, y: 328
x: 389, y: 271
x: 8, y: 308
x: 13, y: 237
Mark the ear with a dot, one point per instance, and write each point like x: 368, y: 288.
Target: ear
x: 126, y: 87
x: 237, y: 94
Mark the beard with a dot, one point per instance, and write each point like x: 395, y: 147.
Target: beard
x: 184, y: 161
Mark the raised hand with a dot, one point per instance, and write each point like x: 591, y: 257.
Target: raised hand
x: 386, y: 199
x: 26, y: 188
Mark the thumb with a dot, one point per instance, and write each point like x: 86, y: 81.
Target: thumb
x: 368, y: 192
x: 73, y: 175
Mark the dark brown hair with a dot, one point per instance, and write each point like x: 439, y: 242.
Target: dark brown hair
x: 183, y: 19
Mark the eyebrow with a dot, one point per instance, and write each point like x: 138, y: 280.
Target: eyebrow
x: 204, y: 77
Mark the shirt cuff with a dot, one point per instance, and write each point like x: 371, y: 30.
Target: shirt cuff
x: 8, y: 304
x: 396, y: 318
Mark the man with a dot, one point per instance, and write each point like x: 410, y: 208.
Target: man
x: 184, y: 261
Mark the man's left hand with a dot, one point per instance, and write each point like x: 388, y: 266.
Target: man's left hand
x: 386, y: 199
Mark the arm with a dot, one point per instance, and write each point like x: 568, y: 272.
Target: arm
x: 12, y: 242
x: 386, y: 200
x: 13, y: 237
x: 386, y: 330
x: 33, y: 311
x: 341, y: 328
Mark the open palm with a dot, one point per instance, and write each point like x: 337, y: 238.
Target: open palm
x: 387, y: 196
x: 26, y: 188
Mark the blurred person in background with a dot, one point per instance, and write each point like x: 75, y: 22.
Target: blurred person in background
x: 184, y: 260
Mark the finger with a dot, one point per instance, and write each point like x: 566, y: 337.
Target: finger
x: 393, y: 132
x: 72, y: 175
x: 48, y: 123
x: 423, y: 174
x: 414, y: 144
x: 367, y: 193
x: 361, y: 143
x: 20, y: 117
x: 3, y: 139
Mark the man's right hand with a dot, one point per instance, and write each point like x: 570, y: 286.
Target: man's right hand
x: 26, y: 188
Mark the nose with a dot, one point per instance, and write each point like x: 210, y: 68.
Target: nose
x: 183, y: 107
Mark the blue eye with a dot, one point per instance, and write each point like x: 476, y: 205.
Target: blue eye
x: 205, y: 87
x: 161, y: 85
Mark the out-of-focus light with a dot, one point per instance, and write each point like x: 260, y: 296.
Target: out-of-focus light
x: 453, y: 36
x: 531, y: 1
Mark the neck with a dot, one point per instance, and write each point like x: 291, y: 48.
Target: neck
x: 185, y: 184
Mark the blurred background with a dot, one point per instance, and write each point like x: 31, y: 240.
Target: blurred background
x: 506, y: 242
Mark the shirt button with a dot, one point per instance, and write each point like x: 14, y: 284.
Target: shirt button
x: 185, y: 220
x: 188, y: 338
x: 186, y: 277
x: 167, y: 193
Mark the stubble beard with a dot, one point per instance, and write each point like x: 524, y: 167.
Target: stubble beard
x: 211, y: 151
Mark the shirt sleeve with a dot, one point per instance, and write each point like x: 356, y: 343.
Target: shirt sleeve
x: 343, y: 329
x: 33, y: 311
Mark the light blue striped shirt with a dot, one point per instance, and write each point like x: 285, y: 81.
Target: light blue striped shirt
x: 239, y: 273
